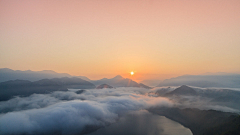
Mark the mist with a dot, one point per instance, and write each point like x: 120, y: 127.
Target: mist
x: 66, y: 112
x: 220, y: 99
x: 71, y: 113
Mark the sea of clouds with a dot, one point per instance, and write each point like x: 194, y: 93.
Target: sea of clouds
x: 205, y: 99
x: 66, y: 112
x: 72, y: 113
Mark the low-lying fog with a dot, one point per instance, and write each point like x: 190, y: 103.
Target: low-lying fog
x: 97, y: 111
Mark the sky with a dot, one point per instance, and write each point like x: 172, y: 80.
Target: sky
x: 156, y: 39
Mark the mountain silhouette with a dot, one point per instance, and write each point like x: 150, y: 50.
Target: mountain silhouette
x: 119, y: 81
x: 218, y: 80
x: 7, y: 74
x: 13, y: 88
x: 183, y: 90
x: 141, y: 85
x: 104, y: 86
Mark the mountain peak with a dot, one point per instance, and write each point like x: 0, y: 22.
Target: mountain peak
x: 184, y: 87
x: 183, y: 90
x: 118, y: 77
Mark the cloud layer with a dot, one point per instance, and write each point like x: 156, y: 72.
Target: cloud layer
x: 226, y: 100
x: 71, y: 113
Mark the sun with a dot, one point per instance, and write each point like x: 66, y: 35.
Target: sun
x: 132, y: 73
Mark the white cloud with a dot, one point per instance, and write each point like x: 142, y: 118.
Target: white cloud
x: 68, y: 113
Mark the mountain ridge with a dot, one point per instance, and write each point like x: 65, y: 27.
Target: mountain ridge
x: 219, y: 80
x: 7, y: 74
x: 119, y: 81
x: 12, y: 88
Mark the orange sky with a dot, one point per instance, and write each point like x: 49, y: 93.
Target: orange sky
x: 156, y: 38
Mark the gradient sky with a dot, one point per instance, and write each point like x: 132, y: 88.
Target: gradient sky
x: 96, y: 38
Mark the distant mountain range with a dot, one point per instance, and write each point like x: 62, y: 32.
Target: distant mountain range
x: 7, y: 74
x: 207, y: 80
x: 218, y: 80
x: 225, y: 97
x: 118, y: 81
x: 24, y: 83
x: 13, y: 88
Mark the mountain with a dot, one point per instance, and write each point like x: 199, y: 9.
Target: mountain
x: 203, y: 122
x: 104, y: 86
x: 162, y: 91
x: 74, y: 83
x: 15, y: 83
x: 183, y: 90
x: 210, y: 96
x: 12, y: 88
x: 141, y: 85
x: 119, y: 81
x: 7, y: 74
x: 216, y: 80
x: 84, y: 78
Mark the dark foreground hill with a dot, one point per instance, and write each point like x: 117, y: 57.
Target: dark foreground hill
x: 10, y: 89
x: 203, y: 122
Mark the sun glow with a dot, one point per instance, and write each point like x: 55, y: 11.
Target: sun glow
x: 132, y: 73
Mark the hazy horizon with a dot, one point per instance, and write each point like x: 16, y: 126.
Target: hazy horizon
x: 137, y: 78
